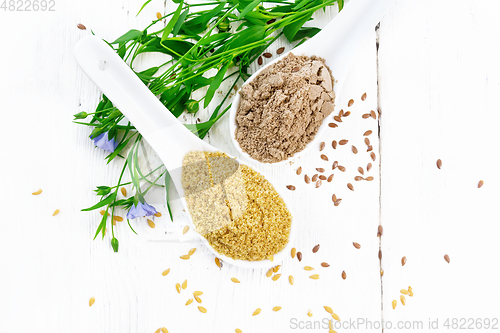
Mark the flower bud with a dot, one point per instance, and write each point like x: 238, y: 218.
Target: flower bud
x: 192, y: 106
x: 114, y: 244
x: 81, y: 115
x: 223, y: 26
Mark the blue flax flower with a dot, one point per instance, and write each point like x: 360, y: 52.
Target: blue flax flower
x: 140, y: 210
x: 102, y: 141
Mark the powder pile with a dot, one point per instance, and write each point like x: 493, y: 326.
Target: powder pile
x: 282, y: 109
x: 234, y: 207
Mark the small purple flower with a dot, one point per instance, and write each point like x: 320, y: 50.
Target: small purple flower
x: 142, y: 209
x: 102, y: 141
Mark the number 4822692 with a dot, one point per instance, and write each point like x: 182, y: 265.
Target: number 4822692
x: 28, y: 5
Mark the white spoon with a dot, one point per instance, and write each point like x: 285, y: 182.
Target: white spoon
x: 337, y: 43
x: 170, y: 139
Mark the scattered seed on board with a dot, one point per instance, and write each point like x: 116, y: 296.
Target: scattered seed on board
x: 189, y: 301
x: 81, y: 26
x: 322, y: 177
x: 260, y: 60
x: 363, y: 97
x: 341, y: 113
x: 276, y: 268
x: 280, y: 50
x: 361, y: 171
x: 337, y: 202
x: 366, y: 116
x: 447, y: 258
x: 330, y: 178
x: 91, y: 301
x: 332, y: 125
x: 324, y: 157
x: 256, y: 312
x: 322, y: 146
x: 373, y: 156
x: 185, y: 229
x: 197, y: 293
x: 337, y: 118
x: 184, y: 284
x: 439, y: 163
x: 293, y: 252
x: 325, y: 264
x: 344, y: 275
x: 192, y: 251
x: 367, y: 142
x: 404, y: 291
x: 320, y: 169
x: 343, y: 142
x: 118, y: 218
x: 480, y: 184
x: 369, y: 132
x: 354, y: 150
x: 218, y: 262
x: 334, y: 144
x: 307, y: 179
x: 178, y: 287
x: 151, y: 224
x: 351, y: 102
x: 202, y: 309
x: 276, y: 308
x: 403, y: 299
x: 368, y: 167
x: 158, y: 15
x: 299, y: 256
x: 373, y: 114
x: 314, y: 276
x: 290, y: 279
x: 342, y: 168
x: 347, y: 114
x: 318, y: 183
x: 299, y: 171
x: 370, y: 178
x: 198, y: 299
x: 37, y: 192
x: 335, y: 165
x: 164, y: 330
x: 165, y: 272
x: 56, y: 212
x: 334, y: 198
x: 335, y: 316
x: 314, y: 178
x: 185, y: 256
x: 309, y: 313
x: 124, y: 191
x: 235, y: 280
x: 308, y: 268
x: 394, y: 303
x: 290, y: 187
x: 238, y: 330
x: 267, y: 55
x: 356, y: 245
x: 358, y: 178
x: 403, y: 261
x: 315, y: 248
x: 276, y: 277
x: 410, y: 291
x: 349, y: 186
x: 102, y: 212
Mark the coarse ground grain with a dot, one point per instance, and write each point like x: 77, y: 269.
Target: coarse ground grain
x: 282, y: 109
x: 235, y: 208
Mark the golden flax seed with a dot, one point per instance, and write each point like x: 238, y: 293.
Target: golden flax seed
x: 276, y: 308
x: 158, y: 15
x: 276, y: 268
x: 218, y: 262
x: 308, y: 268
x: 178, y: 287
x: 189, y: 301
x: 403, y: 299
x: 410, y: 291
x: 165, y: 272
x: 157, y: 214
x: 404, y: 291
x: 197, y: 299
x: 238, y: 330
x: 309, y: 313
x: 335, y: 316
x: 314, y: 276
x: 37, y: 192
x: 56, y: 212
x: 151, y: 223
x: 328, y: 309
x: 185, y: 229
x: 185, y: 257
x: 192, y: 251
x: 184, y: 284
x: 394, y: 303
x: 290, y: 279
x: 124, y: 191
x: 269, y: 272
x: 202, y: 309
x: 197, y: 293
x: 256, y: 312
x: 91, y: 301
x: 293, y: 252
x: 164, y: 330
x: 276, y: 277
x: 235, y: 280
x: 158, y: 330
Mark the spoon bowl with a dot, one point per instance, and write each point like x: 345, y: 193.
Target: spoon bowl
x: 337, y: 43
x: 170, y: 139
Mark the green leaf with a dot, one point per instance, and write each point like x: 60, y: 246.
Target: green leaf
x: 306, y: 32
x: 128, y: 36
x: 300, y: 5
x: 216, y: 83
x: 144, y: 5
x: 248, y: 8
x: 102, y: 203
x: 167, y: 196
x: 213, y: 38
x: 180, y: 22
x: 171, y: 23
x: 102, y: 225
x: 341, y: 4
x: 291, y: 30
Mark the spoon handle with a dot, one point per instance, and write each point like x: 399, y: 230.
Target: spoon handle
x: 341, y: 38
x: 165, y: 134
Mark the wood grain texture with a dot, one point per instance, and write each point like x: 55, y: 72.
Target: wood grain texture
x: 438, y: 74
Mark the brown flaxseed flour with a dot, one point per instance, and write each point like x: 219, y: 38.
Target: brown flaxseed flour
x: 234, y: 207
x: 282, y: 108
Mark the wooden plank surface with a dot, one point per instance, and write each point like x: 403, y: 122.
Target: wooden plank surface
x: 439, y: 96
